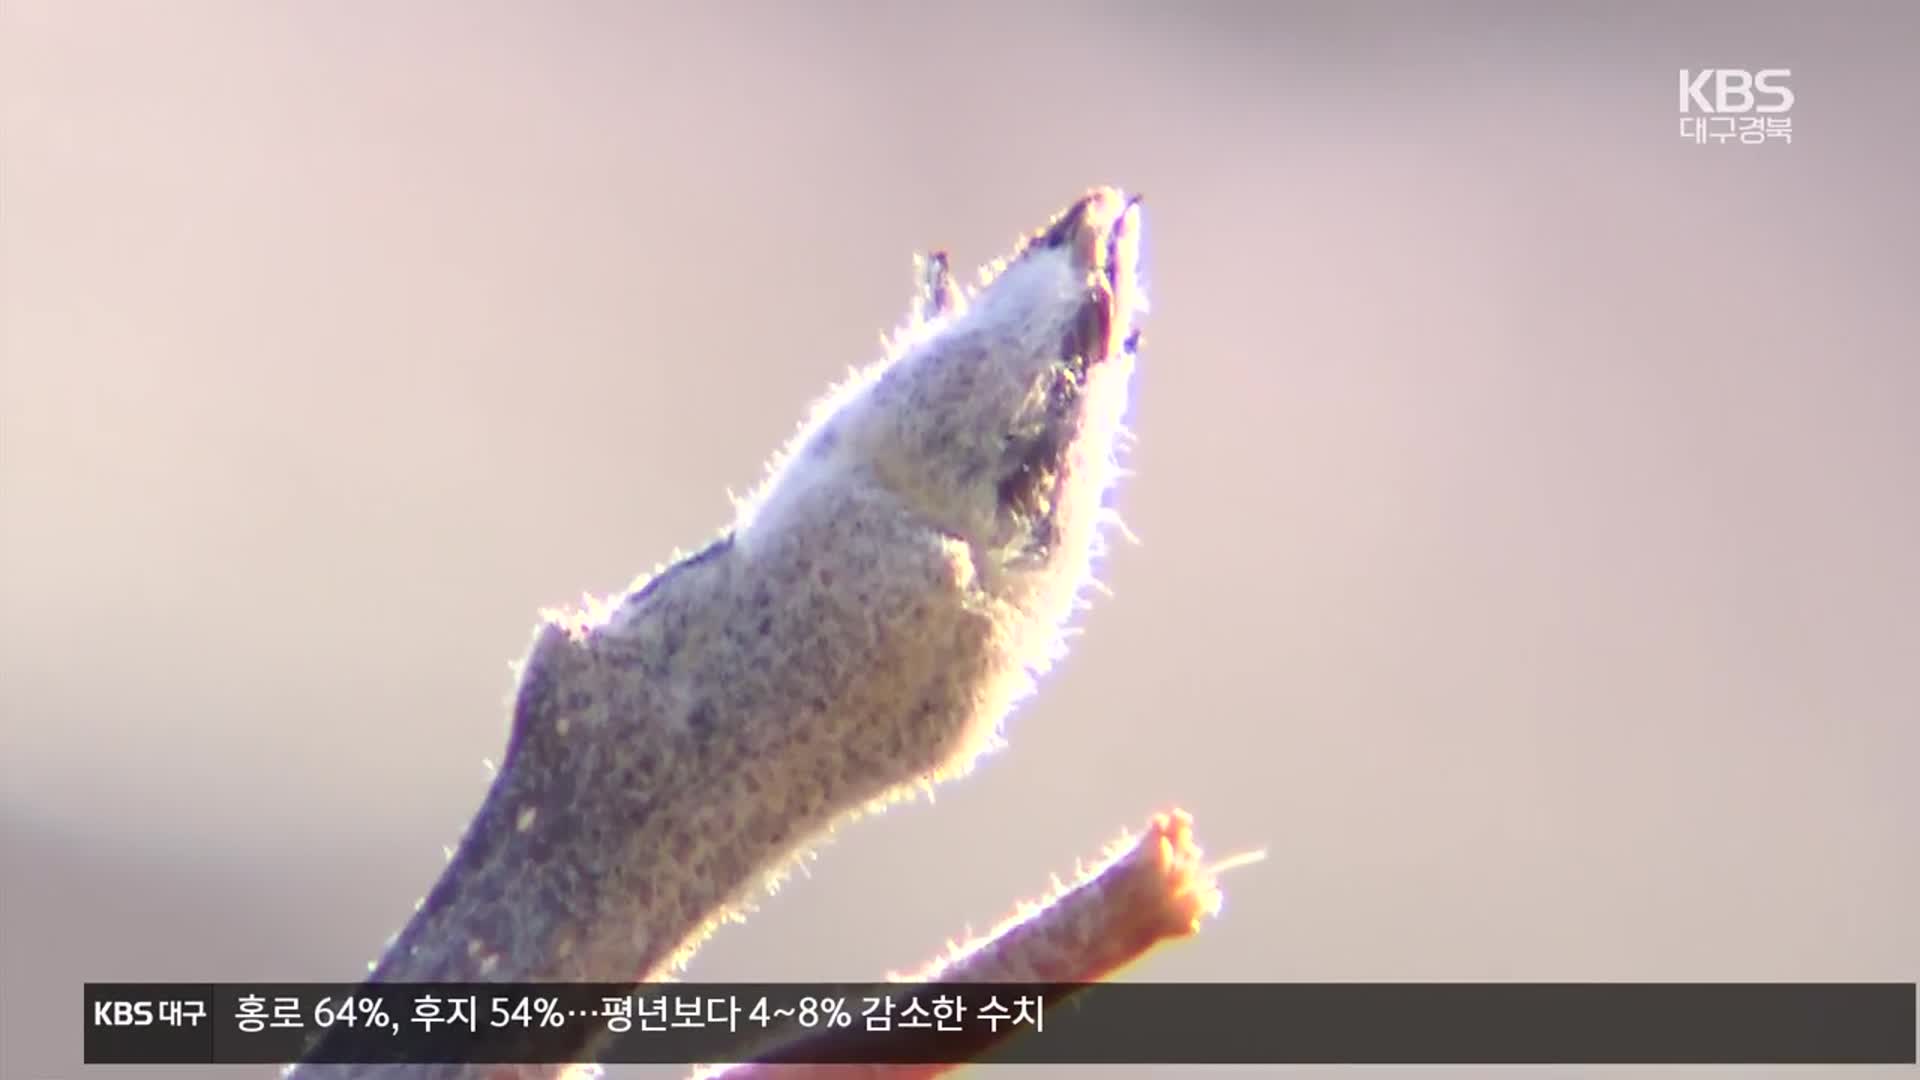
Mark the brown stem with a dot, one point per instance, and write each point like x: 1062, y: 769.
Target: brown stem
x: 1152, y: 888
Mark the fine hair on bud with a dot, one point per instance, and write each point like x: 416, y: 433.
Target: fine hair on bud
x: 860, y: 631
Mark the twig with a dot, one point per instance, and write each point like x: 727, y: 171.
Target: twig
x: 859, y: 633
x: 1149, y: 889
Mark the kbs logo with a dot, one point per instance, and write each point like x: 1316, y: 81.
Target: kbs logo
x: 122, y: 1013
x: 1725, y: 104
x: 1732, y: 90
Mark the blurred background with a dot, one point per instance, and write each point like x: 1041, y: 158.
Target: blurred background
x: 1528, y: 498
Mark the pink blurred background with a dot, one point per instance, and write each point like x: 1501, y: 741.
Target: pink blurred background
x: 1527, y: 497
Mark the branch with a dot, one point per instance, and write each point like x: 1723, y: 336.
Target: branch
x: 1149, y: 889
x: 857, y: 634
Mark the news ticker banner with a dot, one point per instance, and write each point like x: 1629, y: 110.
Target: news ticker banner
x: 1024, y: 1023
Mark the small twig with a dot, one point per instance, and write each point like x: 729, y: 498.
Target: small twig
x: 1149, y: 889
